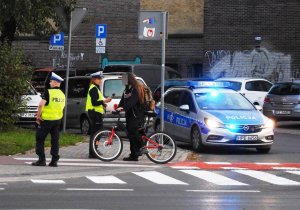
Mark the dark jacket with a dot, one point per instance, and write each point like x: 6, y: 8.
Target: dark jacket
x: 133, y: 109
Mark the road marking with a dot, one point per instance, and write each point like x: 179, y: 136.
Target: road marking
x: 267, y: 163
x: 232, y: 168
x: 184, y: 167
x: 47, y: 181
x: 294, y: 172
x: 218, y: 163
x: 270, y: 178
x: 102, y: 165
x: 3, y: 183
x: 105, y: 180
x: 159, y: 178
x: 2, y: 188
x: 226, y: 191
x: 213, y: 177
x: 285, y: 168
x: 95, y: 189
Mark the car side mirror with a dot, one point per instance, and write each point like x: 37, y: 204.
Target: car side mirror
x: 259, y: 108
x: 39, y: 93
x: 185, y: 107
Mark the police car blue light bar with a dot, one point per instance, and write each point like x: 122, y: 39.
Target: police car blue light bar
x: 215, y: 84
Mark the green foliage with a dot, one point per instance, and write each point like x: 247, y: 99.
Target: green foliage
x: 13, y: 84
x: 18, y: 140
x: 31, y: 16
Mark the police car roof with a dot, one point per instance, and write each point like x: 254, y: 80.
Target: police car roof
x: 239, y: 79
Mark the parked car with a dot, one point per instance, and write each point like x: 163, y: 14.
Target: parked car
x: 151, y: 73
x: 209, y: 114
x: 41, y: 77
x: 32, y: 98
x: 254, y: 89
x: 78, y: 88
x: 283, y: 101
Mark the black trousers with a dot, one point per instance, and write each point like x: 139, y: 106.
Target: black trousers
x: 134, y: 136
x: 46, y: 127
x: 97, y: 124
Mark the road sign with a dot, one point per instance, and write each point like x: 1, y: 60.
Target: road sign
x: 57, y: 42
x: 100, y: 49
x: 100, y: 42
x: 101, y: 31
x: 151, y: 25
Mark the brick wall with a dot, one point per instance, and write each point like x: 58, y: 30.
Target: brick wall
x: 231, y: 27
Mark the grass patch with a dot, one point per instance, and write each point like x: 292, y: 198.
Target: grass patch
x: 20, y: 140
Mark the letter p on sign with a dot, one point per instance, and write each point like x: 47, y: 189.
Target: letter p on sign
x: 101, y: 31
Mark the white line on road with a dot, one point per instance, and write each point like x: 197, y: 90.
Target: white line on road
x: 95, y: 189
x: 226, y: 191
x: 102, y: 164
x: 159, y: 178
x: 1, y: 188
x: 47, y: 181
x: 285, y: 168
x: 105, y: 180
x: 267, y: 177
x: 294, y: 172
x: 267, y: 163
x: 213, y: 177
x: 3, y: 183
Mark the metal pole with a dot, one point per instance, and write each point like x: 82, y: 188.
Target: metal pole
x: 67, y: 74
x: 163, y: 46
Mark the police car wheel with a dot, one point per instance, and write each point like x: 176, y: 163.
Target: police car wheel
x: 263, y: 150
x: 196, y: 139
x: 85, y: 126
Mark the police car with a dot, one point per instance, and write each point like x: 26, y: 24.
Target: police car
x: 209, y: 114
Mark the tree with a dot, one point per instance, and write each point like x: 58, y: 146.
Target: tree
x: 31, y: 16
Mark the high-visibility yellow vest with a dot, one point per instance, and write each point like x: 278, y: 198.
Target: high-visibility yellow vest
x: 89, y: 105
x: 56, y: 105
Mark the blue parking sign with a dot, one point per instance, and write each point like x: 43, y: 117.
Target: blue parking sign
x: 57, y: 39
x: 101, y: 31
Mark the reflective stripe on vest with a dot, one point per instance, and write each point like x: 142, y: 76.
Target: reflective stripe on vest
x: 55, y: 107
x: 89, y: 105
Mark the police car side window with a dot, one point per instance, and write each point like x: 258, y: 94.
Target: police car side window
x: 188, y: 99
x: 173, y: 98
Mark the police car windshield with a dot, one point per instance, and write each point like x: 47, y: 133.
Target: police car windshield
x: 215, y: 100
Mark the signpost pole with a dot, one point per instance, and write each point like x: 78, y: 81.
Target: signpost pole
x: 163, y: 58
x: 67, y: 73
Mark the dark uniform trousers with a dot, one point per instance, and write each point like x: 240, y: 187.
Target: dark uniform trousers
x: 96, y: 124
x: 46, y: 127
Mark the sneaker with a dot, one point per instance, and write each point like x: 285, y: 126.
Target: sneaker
x: 142, y: 151
x: 39, y: 163
x: 130, y: 158
x: 53, y: 164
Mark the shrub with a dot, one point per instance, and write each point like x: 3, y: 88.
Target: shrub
x: 13, y: 84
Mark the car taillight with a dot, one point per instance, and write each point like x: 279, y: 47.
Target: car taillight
x: 267, y: 100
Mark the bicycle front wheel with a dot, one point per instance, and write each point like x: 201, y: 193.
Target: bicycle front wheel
x: 163, y: 150
x: 106, y: 145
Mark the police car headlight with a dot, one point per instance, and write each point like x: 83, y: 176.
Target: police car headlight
x: 269, y: 124
x: 212, y: 123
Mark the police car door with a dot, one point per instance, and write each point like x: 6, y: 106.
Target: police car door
x: 185, y: 118
x: 171, y: 105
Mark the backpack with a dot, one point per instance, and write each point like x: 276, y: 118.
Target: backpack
x: 149, y: 103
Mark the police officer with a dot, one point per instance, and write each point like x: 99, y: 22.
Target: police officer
x: 48, y: 119
x: 95, y: 105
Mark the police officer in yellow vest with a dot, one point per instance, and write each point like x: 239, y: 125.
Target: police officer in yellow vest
x: 95, y: 106
x: 48, y: 118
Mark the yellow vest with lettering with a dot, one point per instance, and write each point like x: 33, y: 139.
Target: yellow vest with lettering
x: 89, y: 105
x: 56, y: 105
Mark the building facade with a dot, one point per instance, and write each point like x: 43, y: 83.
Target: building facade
x: 223, y: 44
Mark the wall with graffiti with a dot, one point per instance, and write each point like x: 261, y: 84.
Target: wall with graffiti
x: 259, y: 62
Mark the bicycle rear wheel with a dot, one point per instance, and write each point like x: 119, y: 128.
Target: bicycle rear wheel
x: 166, y: 150
x: 107, y: 147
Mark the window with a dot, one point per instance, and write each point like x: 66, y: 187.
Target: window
x: 188, y: 99
x: 78, y: 88
x: 262, y: 86
x: 286, y: 89
x: 173, y: 98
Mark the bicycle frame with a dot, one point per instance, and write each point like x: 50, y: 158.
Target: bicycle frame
x: 155, y: 144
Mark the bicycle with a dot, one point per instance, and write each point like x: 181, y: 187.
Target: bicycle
x: 107, y: 145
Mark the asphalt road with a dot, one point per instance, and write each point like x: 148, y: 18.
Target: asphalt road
x: 146, y: 186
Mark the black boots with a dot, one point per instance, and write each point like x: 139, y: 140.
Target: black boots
x: 39, y: 163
